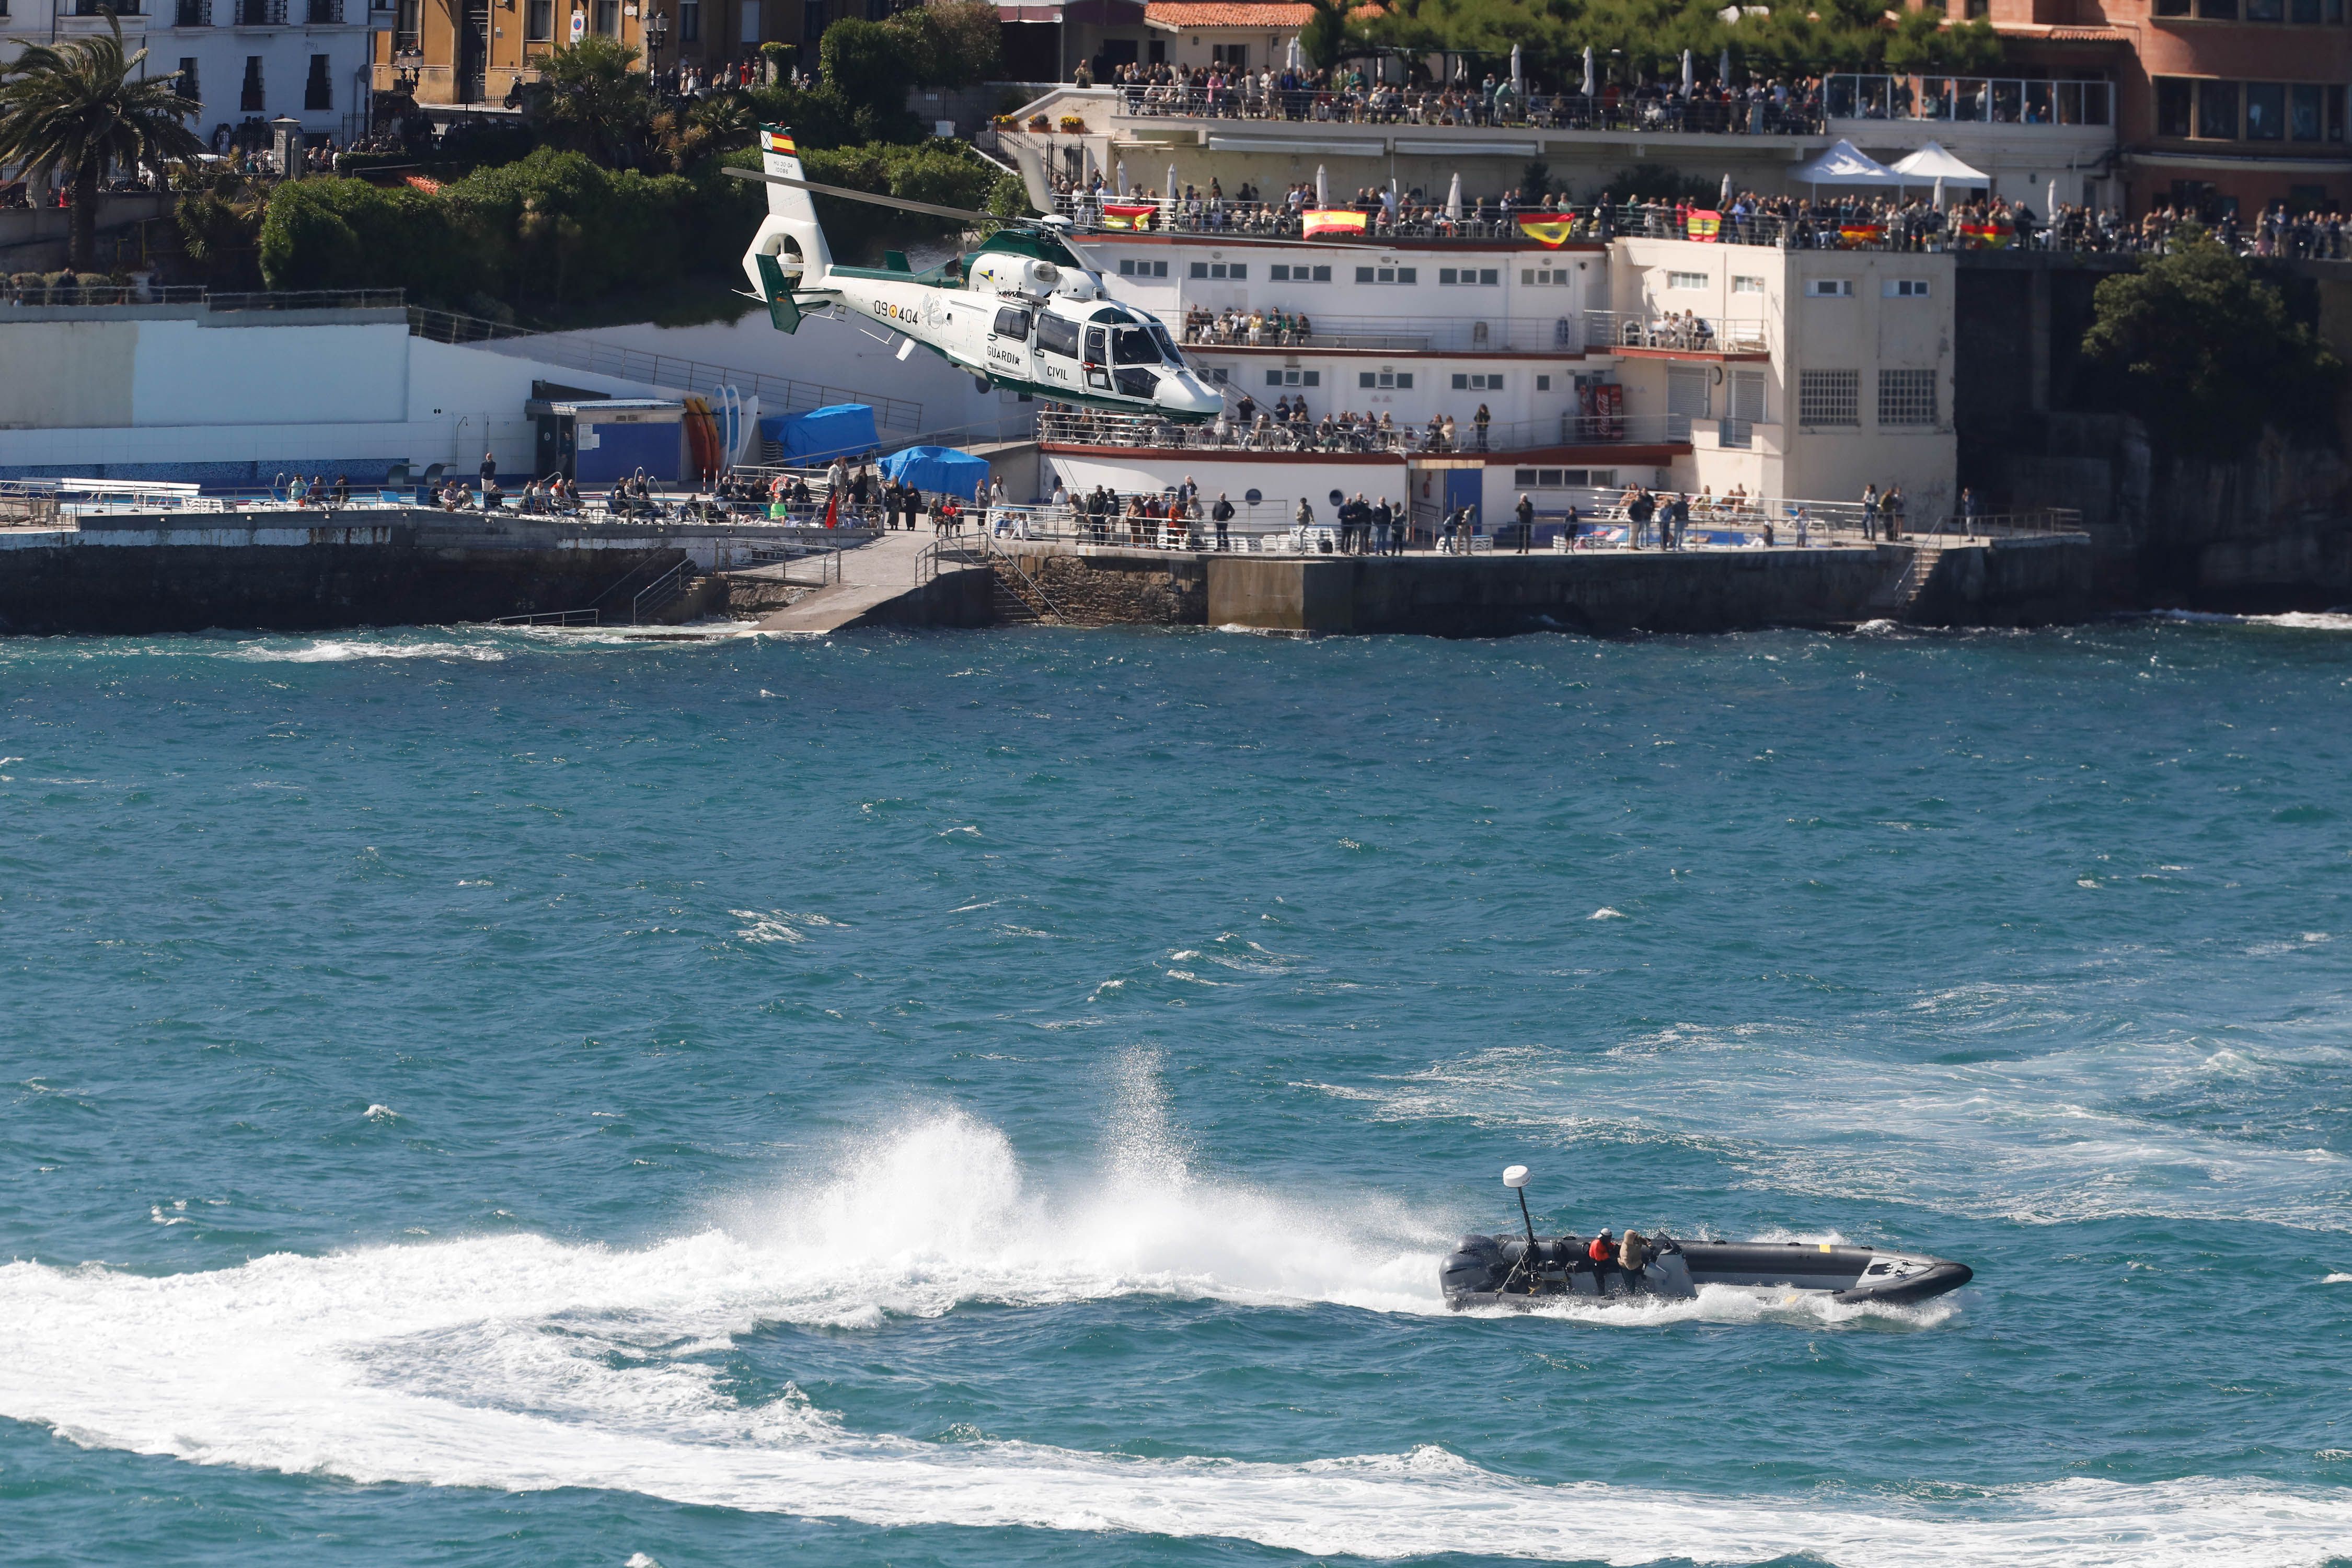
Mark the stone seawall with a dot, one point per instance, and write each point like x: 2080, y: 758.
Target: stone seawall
x: 1098, y: 585
x: 2019, y: 582
x: 1491, y: 596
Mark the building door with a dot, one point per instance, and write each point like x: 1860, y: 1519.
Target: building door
x: 1686, y: 399
x: 1747, y: 410
x: 474, y: 51
x: 1466, y: 486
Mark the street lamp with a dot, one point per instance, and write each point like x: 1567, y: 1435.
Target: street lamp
x: 657, y: 31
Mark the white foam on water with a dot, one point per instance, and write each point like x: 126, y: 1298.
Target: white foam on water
x: 2292, y: 620
x: 2337, y: 1279
x: 338, y: 650
x: 381, y: 1113
x: 516, y: 1362
x: 1604, y: 913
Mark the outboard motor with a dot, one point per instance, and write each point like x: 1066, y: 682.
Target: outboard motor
x: 1476, y: 1263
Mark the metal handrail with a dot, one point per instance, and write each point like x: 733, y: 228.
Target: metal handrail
x: 661, y: 591
x: 1151, y: 433
x: 1664, y: 330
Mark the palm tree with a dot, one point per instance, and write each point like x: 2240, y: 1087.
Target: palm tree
x: 81, y: 105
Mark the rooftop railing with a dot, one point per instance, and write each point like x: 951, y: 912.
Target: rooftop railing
x: 36, y: 291
x: 1978, y: 100
x: 1085, y: 427
x: 1645, y: 110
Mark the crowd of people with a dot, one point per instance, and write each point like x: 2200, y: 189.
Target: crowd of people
x: 1346, y: 94
x: 1244, y: 424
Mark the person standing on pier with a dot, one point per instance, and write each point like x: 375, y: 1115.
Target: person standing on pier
x: 1526, y: 510
x: 1223, y: 512
x: 1869, y: 512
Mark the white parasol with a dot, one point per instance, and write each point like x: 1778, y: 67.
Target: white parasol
x: 1453, y: 197
x: 1322, y: 187
x: 1588, y: 71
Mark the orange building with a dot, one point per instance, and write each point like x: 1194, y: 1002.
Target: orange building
x: 2219, y: 104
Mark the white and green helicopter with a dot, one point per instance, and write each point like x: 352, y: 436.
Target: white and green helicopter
x: 1024, y: 311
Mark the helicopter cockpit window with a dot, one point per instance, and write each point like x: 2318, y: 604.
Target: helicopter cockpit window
x: 1167, y: 344
x: 1133, y: 345
x: 1110, y: 313
x: 1011, y: 323
x: 1057, y: 335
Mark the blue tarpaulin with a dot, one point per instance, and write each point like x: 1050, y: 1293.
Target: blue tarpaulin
x: 937, y: 471
x: 841, y: 430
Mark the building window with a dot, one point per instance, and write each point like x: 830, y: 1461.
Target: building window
x: 1905, y: 397
x: 1544, y: 277
x: 1205, y: 270
x: 2171, y: 7
x: 319, y: 90
x: 1128, y: 267
x: 1829, y: 288
x: 1404, y: 275
x: 2217, y: 110
x: 248, y: 97
x: 1829, y: 397
x: 607, y: 23
x: 1746, y: 285
x: 2218, y: 10
x: 1543, y: 383
x: 1685, y: 280
x: 405, y: 39
x: 2304, y: 13
x: 2265, y: 111
x: 2173, y: 96
x: 539, y: 21
x: 814, y: 18
x: 1294, y: 377
x: 1905, y: 289
x: 2265, y: 10
x: 187, y: 83
x: 1468, y: 277
x: 1465, y: 383
x: 1301, y: 274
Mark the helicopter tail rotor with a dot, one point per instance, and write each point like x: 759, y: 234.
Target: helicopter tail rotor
x: 789, y: 254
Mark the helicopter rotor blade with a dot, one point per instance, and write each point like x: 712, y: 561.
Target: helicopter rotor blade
x: 901, y: 203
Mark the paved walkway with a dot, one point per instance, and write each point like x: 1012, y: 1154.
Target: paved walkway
x: 872, y: 575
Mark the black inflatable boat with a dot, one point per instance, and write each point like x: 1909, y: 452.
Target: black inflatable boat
x: 1527, y: 1271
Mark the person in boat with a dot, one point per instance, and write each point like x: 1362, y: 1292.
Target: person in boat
x: 1632, y: 1255
x: 1602, y: 1255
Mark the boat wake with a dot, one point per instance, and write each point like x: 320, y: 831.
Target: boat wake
x: 521, y: 1362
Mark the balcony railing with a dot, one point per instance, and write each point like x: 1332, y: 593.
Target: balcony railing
x: 1976, y: 100
x: 1651, y: 109
x: 1688, y: 332
x: 1085, y: 427
x: 192, y: 14
x: 1388, y: 334
x: 260, y: 12
x: 324, y: 13
x: 101, y: 7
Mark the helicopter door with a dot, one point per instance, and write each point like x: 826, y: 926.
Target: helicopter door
x: 1098, y: 356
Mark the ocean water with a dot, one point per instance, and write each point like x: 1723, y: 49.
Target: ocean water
x: 486, y: 1098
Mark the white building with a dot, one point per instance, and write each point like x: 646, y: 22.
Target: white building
x: 242, y: 59
x: 1701, y: 367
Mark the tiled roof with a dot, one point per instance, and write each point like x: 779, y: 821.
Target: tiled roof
x: 1274, y: 16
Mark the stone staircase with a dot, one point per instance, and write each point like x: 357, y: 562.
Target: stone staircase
x: 1895, y: 599
x: 1016, y: 603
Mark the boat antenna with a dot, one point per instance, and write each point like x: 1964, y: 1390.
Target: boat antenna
x: 1515, y: 1178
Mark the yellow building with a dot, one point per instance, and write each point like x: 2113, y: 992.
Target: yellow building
x: 475, y: 51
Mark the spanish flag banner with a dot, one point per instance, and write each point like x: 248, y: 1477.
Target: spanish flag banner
x: 1706, y: 225
x: 1551, y: 232
x: 1334, y: 220
x: 1862, y: 233
x: 779, y: 142
x: 1986, y: 236
x: 1117, y: 215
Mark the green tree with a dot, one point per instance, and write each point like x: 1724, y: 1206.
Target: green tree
x: 868, y: 63
x: 1328, y: 33
x: 1924, y: 41
x: 82, y: 105
x: 591, y: 98
x: 951, y: 43
x: 2207, y: 353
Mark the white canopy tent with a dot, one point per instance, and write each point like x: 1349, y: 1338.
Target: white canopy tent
x: 1846, y: 164
x: 1934, y: 163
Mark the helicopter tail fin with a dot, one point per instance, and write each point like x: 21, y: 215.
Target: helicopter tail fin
x: 789, y: 254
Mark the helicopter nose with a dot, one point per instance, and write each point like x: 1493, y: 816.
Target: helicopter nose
x: 1185, y: 394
